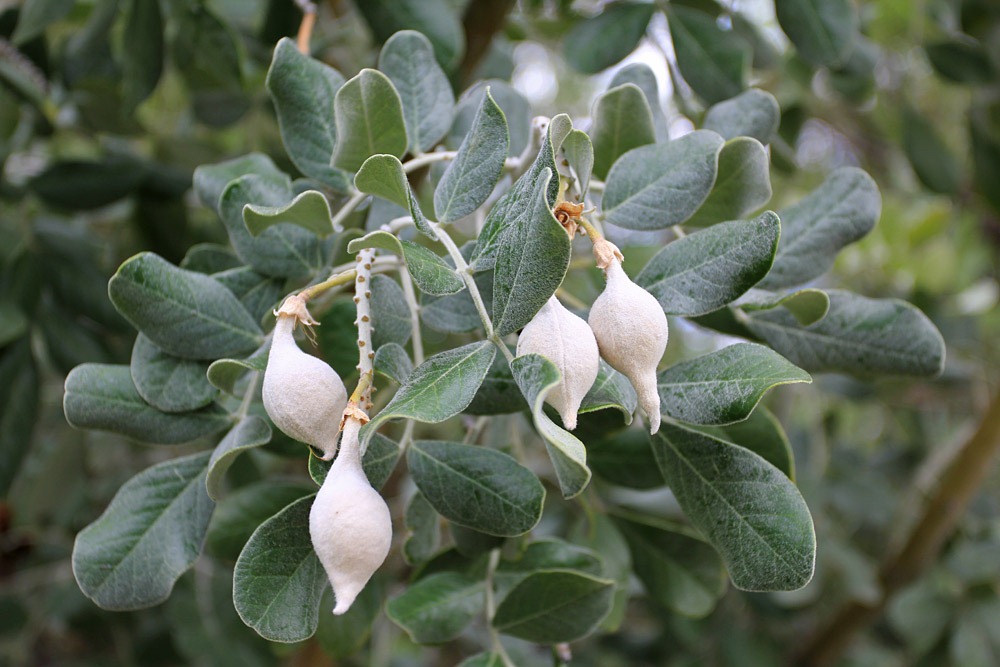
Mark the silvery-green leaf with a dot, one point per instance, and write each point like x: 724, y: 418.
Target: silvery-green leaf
x: 840, y: 211
x: 532, y: 259
x: 439, y: 20
x: 742, y: 186
x: 390, y: 312
x: 515, y: 107
x: 224, y: 373
x: 169, y: 383
x: 472, y: 175
x: 369, y: 119
x: 278, y: 581
x: 808, y: 305
x: 752, y: 113
x: 392, y: 361
x: 476, y: 487
x: 185, y: 313
x: 431, y: 274
x: 103, y: 397
x: 858, y: 335
x: 407, y: 58
x: 309, y: 210
x: 499, y: 393
x: 641, y: 75
x: 303, y: 90
x: 724, y: 386
x: 762, y: 434
x: 210, y: 180
x: 578, y: 151
x: 601, y: 41
x: 383, y: 176
x: 658, y: 186
x: 378, y: 462
x: 422, y: 524
x: 250, y: 432
x: 746, y: 508
x: 456, y: 313
x: 258, y: 293
x: 823, y: 31
x: 536, y: 376
x: 438, y: 607
x: 611, y: 389
x: 714, y: 62
x: 240, y: 512
x: 622, y: 121
x: 437, y: 389
x: 150, y: 534
x: 712, y: 267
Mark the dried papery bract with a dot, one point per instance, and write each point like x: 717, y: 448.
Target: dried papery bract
x: 631, y: 329
x: 566, y: 341
x: 349, y: 523
x: 303, y: 396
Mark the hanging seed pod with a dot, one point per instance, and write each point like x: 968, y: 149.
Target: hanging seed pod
x: 566, y: 341
x: 631, y: 329
x: 303, y: 396
x: 349, y: 523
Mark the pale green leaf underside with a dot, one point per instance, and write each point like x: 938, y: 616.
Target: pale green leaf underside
x: 431, y: 274
x: 383, y: 176
x: 309, y: 210
x: 753, y: 113
x: 369, y: 120
x: 622, y: 121
x: 742, y: 186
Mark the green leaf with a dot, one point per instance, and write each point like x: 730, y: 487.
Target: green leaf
x: 407, y: 58
x: 383, y: 176
x: 142, y: 44
x: 483, y: 660
x: 622, y: 121
x: 102, y: 397
x: 713, y: 61
x: 933, y: 163
x: 536, y: 376
x: 531, y: 261
x: 725, y: 386
x: 390, y: 312
x: 378, y: 462
x: 519, y: 198
x: 186, y: 314
x: 678, y: 570
x: 149, y: 535
x: 309, y: 210
x: 439, y: 388
x: 625, y: 459
x: 424, y: 534
x: 437, y: 19
x: 13, y: 322
x: 249, y: 433
x: 611, y: 389
x: 278, y: 579
x: 240, y: 512
x: 472, y: 175
x: 479, y: 488
x: 283, y: 251
x: 807, y: 305
x: 578, y: 152
x: 344, y: 635
x: 655, y: 187
x: 742, y: 186
x: 753, y: 113
x: 456, y: 313
x: 19, y: 398
x: 601, y: 41
x: 258, y: 293
x: 210, y: 258
x: 437, y: 608
x: 823, y: 31
x: 554, y: 606
x: 762, y: 434
x: 431, y: 274
x: 498, y: 394
x: 166, y: 382
x: 748, y: 509
x: 840, y: 211
x: 859, y: 335
x: 515, y: 106
x: 550, y: 554
x: 710, y: 268
x: 82, y: 185
x: 392, y: 361
x: 641, y: 75
x: 210, y: 180
x: 369, y: 118
x: 975, y: 642
x: 962, y: 60
x: 303, y: 90
x: 224, y: 373
x: 35, y: 15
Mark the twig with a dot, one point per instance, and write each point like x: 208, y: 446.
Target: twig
x: 363, y: 300
x: 306, y: 27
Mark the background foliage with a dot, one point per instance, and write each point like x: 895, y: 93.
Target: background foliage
x: 109, y: 106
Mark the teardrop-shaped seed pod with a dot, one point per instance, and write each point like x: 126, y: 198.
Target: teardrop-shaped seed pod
x: 631, y: 332
x: 349, y: 523
x: 566, y: 341
x: 303, y: 396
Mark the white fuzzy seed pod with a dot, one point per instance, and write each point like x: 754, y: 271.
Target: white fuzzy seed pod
x: 566, y: 341
x: 631, y: 331
x: 303, y: 396
x: 349, y: 523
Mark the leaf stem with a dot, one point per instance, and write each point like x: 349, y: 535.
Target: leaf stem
x: 335, y: 280
x: 411, y: 300
x: 424, y: 159
x: 498, y: 648
x: 355, y: 201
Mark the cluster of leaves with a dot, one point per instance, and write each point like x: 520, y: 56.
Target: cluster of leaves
x: 197, y: 362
